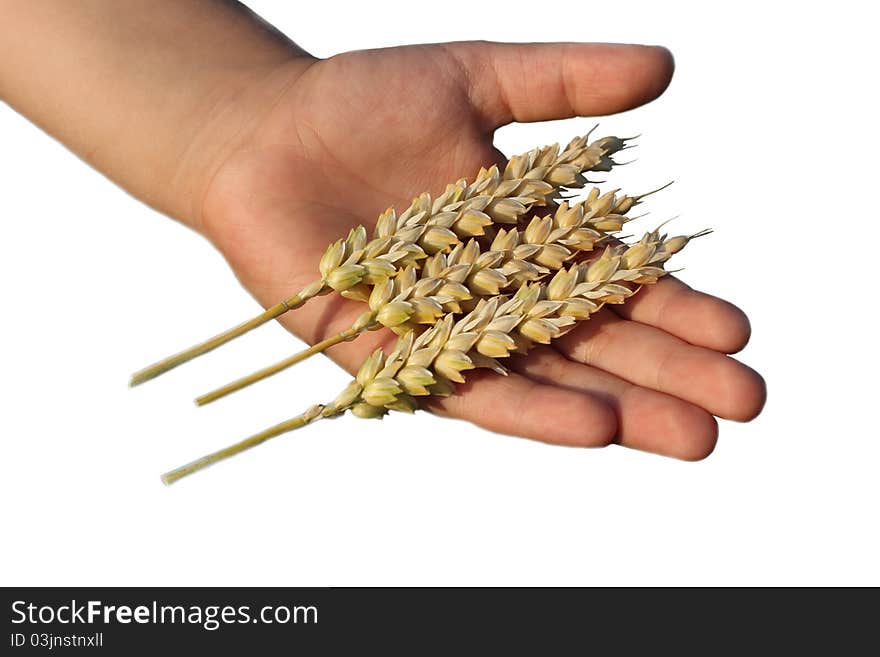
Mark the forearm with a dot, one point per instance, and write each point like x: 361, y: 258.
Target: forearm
x: 151, y: 93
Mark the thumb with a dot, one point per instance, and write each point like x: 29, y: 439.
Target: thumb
x: 544, y: 81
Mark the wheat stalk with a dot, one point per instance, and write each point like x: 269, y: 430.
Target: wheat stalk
x: 430, y: 363
x: 449, y: 280
x: 429, y: 226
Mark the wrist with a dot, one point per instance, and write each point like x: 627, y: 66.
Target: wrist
x: 231, y: 119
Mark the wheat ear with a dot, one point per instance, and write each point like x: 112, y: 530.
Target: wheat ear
x: 430, y: 363
x: 514, y: 257
x: 427, y: 226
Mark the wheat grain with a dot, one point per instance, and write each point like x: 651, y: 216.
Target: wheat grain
x: 429, y: 226
x: 448, y: 282
x: 430, y: 363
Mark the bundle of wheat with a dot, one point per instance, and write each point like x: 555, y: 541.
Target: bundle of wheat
x: 465, y: 279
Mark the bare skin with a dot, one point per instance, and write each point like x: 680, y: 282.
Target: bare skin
x: 290, y: 152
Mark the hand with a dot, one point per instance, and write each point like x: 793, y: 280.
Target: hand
x: 349, y: 136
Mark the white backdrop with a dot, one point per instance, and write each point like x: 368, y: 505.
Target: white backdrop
x: 770, y: 130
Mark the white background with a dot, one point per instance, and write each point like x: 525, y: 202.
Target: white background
x: 770, y: 130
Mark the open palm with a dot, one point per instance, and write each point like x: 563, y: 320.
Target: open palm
x: 358, y: 132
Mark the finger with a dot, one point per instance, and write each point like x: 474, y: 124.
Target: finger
x: 647, y: 420
x: 517, y: 406
x: 693, y: 316
x: 652, y: 358
x: 545, y: 81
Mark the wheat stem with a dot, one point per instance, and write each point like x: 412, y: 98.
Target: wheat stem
x: 199, y: 464
x: 280, y: 366
x: 178, y: 359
